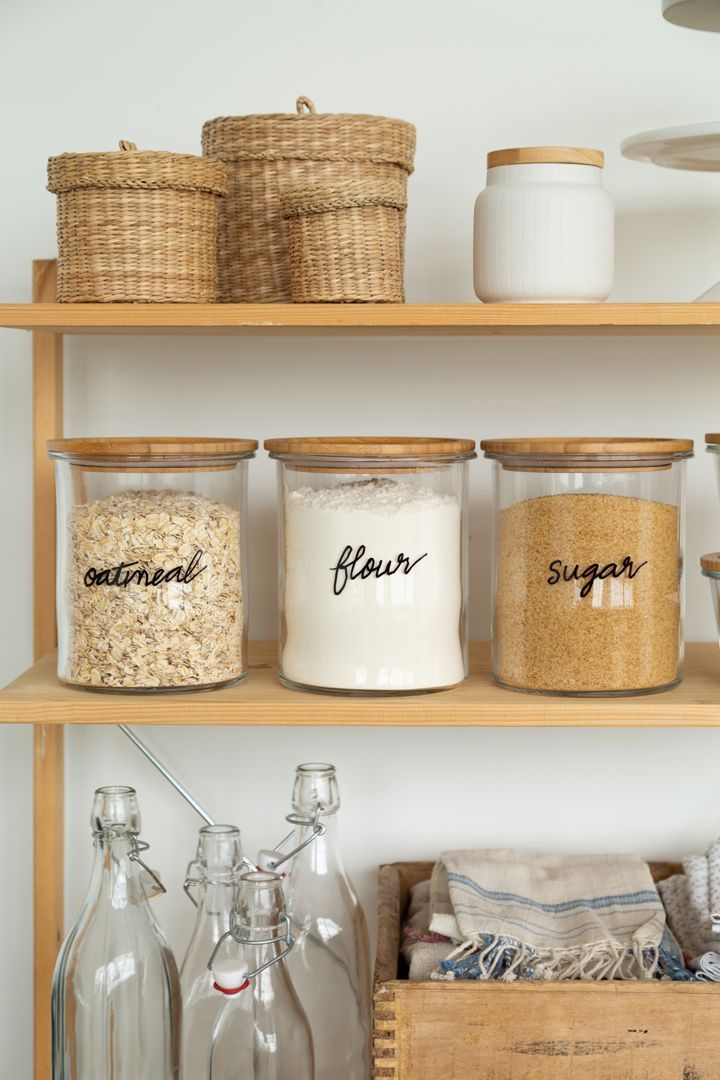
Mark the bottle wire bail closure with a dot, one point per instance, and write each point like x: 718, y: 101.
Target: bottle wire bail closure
x: 150, y: 878
x: 230, y: 976
x: 272, y: 859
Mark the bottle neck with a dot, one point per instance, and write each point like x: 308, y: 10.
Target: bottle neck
x: 322, y: 856
x: 260, y: 916
x: 211, y: 880
x: 116, y: 876
x: 215, y: 899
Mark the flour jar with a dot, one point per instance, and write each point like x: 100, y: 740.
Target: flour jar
x: 373, y: 563
x: 588, y: 559
x: 544, y: 227
x: 151, y: 562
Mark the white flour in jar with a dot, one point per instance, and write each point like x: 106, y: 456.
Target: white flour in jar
x: 373, y: 589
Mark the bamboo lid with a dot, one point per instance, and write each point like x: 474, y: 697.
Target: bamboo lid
x: 613, y: 448
x: 371, y: 446
x: 129, y: 167
x: 153, y: 449
x: 713, y: 439
x: 711, y: 563
x: 546, y: 155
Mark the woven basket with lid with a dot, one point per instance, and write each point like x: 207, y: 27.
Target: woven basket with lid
x: 345, y: 243
x: 136, y: 225
x: 269, y: 154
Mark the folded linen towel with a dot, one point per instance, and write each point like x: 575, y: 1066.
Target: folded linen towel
x: 514, y: 915
x: 421, y: 949
x: 707, y: 967
x: 691, y: 901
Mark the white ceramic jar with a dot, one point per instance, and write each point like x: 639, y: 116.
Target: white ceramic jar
x: 544, y: 227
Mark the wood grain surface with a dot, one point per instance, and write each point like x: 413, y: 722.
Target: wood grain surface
x: 380, y: 319
x: 534, y: 1031
x: 37, y: 697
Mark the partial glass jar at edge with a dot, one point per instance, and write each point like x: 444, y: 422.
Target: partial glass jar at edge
x: 151, y: 562
x: 373, y: 563
x: 588, y: 564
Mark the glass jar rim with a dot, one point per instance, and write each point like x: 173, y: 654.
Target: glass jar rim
x: 560, y: 453
x: 354, y: 449
x: 135, y: 451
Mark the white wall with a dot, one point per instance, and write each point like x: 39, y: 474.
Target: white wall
x: 473, y: 75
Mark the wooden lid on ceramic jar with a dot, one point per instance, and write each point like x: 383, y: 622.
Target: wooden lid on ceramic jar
x: 546, y: 155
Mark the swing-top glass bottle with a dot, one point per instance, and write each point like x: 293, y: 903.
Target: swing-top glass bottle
x: 330, y: 964
x: 263, y: 1033
x: 116, y: 992
x: 211, y: 883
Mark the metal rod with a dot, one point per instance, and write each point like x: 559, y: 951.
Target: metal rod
x: 167, y: 774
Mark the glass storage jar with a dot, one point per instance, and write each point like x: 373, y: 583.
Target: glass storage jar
x: 588, y: 559
x: 151, y: 564
x: 373, y: 565
x: 710, y: 566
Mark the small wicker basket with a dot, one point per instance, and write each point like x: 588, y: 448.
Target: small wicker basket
x: 136, y: 226
x: 269, y: 154
x: 345, y: 242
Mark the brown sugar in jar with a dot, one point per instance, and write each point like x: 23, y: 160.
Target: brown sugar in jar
x: 588, y: 564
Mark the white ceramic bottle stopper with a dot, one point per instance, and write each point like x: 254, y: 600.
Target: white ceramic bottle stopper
x: 230, y: 976
x: 268, y: 860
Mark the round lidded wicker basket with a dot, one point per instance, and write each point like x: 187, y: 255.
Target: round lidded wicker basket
x: 271, y: 153
x: 345, y: 243
x: 136, y: 226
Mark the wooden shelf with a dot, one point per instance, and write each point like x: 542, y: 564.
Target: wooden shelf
x: 328, y: 319
x: 37, y: 697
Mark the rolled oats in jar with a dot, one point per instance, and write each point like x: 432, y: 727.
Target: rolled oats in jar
x: 151, y: 562
x: 588, y: 594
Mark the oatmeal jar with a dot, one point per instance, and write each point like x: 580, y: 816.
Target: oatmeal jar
x: 151, y: 566
x: 373, y: 566
x: 588, y: 560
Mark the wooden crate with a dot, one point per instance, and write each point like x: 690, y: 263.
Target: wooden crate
x: 533, y: 1031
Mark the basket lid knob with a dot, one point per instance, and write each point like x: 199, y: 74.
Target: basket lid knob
x: 304, y: 103
x: 124, y: 144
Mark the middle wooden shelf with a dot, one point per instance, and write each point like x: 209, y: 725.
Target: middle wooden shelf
x: 37, y: 697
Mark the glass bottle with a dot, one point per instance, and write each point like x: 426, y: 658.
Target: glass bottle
x: 330, y: 964
x: 116, y: 992
x: 215, y: 874
x: 263, y: 1033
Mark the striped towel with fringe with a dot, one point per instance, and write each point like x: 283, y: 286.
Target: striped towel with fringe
x: 517, y: 916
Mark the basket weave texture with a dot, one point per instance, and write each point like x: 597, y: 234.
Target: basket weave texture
x: 272, y: 153
x: 345, y: 244
x: 136, y: 226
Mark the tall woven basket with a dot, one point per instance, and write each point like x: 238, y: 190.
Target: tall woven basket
x: 268, y: 154
x: 136, y: 225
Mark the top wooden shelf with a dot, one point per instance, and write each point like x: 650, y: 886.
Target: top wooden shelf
x: 378, y: 319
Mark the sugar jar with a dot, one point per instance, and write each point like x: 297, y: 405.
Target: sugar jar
x: 373, y: 563
x: 588, y: 562
x: 151, y: 567
x: 544, y: 227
